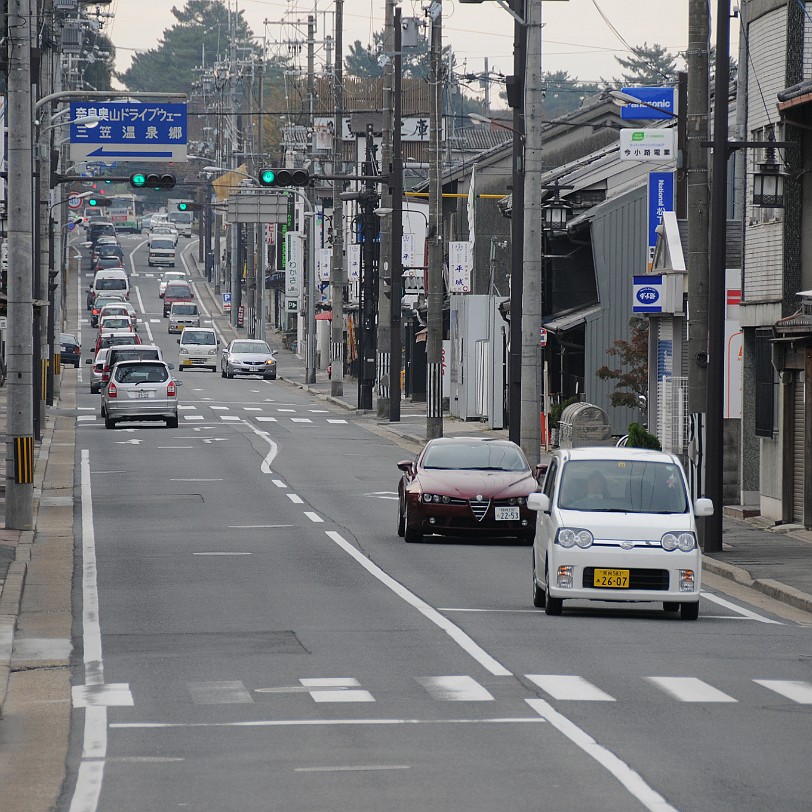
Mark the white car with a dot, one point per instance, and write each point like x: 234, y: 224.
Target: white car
x: 198, y: 349
x: 170, y: 276
x: 616, y: 524
x: 164, y: 230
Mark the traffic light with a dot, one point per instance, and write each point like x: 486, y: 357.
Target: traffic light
x: 270, y: 176
x: 152, y: 180
x: 191, y: 206
x: 96, y: 202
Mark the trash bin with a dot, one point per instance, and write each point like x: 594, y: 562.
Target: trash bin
x: 584, y: 424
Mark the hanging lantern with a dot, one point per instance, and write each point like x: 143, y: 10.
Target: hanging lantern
x: 556, y: 214
x: 768, y: 183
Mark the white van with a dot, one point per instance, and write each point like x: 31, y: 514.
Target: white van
x: 198, y: 349
x: 110, y: 280
x: 616, y: 524
x: 161, y: 252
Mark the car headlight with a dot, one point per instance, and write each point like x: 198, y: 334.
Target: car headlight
x: 517, y: 500
x: 213, y: 352
x: 685, y: 542
x: 436, y: 498
x: 570, y: 536
x: 270, y: 362
x: 183, y: 351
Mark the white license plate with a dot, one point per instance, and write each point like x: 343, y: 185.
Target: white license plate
x: 506, y: 514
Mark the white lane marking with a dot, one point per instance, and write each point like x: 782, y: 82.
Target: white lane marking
x: 524, y: 720
x: 265, y: 467
x: 187, y: 406
x: 257, y: 526
x: 141, y: 303
x: 796, y: 690
x: 85, y: 418
x: 267, y: 420
x: 314, y: 517
x: 174, y: 446
x: 87, y: 790
x: 252, y: 408
x: 113, y: 694
x: 230, y: 418
x: 189, y: 479
x: 132, y: 256
x: 286, y: 410
x: 468, y: 645
x: 690, y: 689
x: 319, y: 411
x: 279, y: 483
x: 560, y: 686
x: 336, y: 689
x: 740, y: 609
x: 228, y: 553
x: 335, y: 421
x: 300, y: 420
x: 149, y: 333
x: 219, y: 408
x: 295, y: 498
x: 455, y: 689
x: 193, y: 417
x: 352, y: 768
x: 219, y: 693
x: 630, y: 779
x: 330, y: 682
x: 86, y: 408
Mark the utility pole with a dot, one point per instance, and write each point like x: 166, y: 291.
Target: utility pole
x: 698, y: 224
x: 368, y: 199
x: 386, y: 305
x: 236, y: 253
x: 434, y: 320
x: 20, y: 345
x: 532, y: 262
x: 337, y: 273
x: 310, y: 276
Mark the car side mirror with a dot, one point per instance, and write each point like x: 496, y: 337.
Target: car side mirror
x: 539, y: 502
x: 177, y: 382
x: 407, y: 466
x: 703, y: 507
x: 171, y: 366
x: 89, y: 361
x: 540, y: 470
x: 178, y: 341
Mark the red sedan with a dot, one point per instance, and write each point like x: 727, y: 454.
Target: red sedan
x: 462, y: 486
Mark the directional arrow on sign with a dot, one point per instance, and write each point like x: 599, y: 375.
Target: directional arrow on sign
x: 104, y: 152
x: 134, y: 441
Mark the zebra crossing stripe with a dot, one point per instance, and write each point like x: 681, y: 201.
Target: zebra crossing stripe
x: 690, y: 689
x: 560, y: 686
x: 336, y: 689
x: 796, y: 690
x: 455, y: 689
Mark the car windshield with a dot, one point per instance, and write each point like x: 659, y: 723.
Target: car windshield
x: 622, y: 486
x: 184, y: 310
x: 134, y: 355
x: 111, y: 284
x: 198, y: 337
x: 475, y: 456
x: 115, y: 323
x: 178, y: 290
x: 162, y: 245
x: 119, y: 338
x: 259, y: 347
x: 141, y: 373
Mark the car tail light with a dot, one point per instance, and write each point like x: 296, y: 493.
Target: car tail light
x: 170, y: 389
x: 112, y: 391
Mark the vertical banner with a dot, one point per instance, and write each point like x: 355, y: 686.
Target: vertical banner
x: 354, y: 262
x: 294, y: 264
x: 407, y: 251
x: 660, y: 199
x: 324, y: 256
x: 459, y: 267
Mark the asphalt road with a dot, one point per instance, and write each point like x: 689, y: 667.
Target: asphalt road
x: 251, y: 634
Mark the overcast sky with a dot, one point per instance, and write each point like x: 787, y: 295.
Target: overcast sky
x: 576, y: 37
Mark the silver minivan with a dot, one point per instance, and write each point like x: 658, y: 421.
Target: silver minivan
x: 183, y: 315
x: 198, y: 349
x: 161, y: 252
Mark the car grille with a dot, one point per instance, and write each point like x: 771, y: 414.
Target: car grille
x: 644, y: 579
x: 479, y: 507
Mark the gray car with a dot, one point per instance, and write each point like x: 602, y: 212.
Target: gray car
x: 140, y: 390
x: 248, y: 357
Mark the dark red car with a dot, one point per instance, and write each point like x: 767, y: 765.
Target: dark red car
x: 176, y: 292
x: 462, y: 486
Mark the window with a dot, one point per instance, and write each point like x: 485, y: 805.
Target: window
x: 765, y: 385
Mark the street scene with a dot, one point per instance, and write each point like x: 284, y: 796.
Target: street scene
x: 335, y: 480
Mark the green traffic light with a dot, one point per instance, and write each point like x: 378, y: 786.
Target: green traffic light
x: 93, y: 202
x: 268, y: 177
x: 183, y: 206
x: 139, y: 179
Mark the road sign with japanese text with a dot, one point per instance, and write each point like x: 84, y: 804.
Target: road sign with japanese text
x: 129, y: 131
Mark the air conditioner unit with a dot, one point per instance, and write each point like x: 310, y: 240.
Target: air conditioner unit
x: 65, y: 5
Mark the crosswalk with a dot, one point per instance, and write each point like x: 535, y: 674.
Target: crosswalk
x: 462, y: 688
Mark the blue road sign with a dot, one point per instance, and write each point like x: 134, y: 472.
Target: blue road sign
x: 660, y: 102
x: 129, y: 131
x: 660, y: 199
x: 648, y: 294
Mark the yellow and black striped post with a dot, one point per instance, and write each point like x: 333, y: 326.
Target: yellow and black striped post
x: 57, y: 363
x: 24, y: 460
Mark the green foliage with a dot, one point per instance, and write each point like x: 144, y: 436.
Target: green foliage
x: 202, y: 32
x: 640, y: 438
x: 632, y: 375
x: 557, y: 409
x: 648, y: 65
x: 563, y: 94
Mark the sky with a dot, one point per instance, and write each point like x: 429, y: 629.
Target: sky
x: 577, y: 36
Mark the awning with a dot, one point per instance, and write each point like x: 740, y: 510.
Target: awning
x: 325, y: 315
x: 572, y: 319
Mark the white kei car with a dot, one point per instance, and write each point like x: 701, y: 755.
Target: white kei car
x: 616, y: 524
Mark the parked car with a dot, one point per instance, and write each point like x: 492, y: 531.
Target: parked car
x: 183, y: 315
x: 70, y: 350
x: 248, y: 357
x: 176, y: 292
x: 96, y: 369
x: 140, y: 390
x: 462, y: 486
x: 198, y: 348
x: 616, y: 524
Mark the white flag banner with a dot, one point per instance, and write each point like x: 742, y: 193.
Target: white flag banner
x: 354, y: 262
x: 324, y: 256
x: 293, y: 264
x: 472, y: 210
x: 407, y: 252
x: 459, y: 267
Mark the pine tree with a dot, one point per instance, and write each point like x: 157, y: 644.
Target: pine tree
x: 648, y: 65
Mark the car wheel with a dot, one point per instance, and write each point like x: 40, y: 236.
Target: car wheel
x: 109, y: 423
x: 94, y: 390
x: 172, y: 422
x: 269, y: 377
x: 689, y: 611
x: 670, y: 606
x: 411, y: 534
x: 229, y: 373
x: 213, y: 369
x: 552, y: 606
x: 401, y: 521
x: 538, y: 592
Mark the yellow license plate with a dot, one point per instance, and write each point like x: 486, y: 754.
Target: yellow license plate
x: 612, y: 579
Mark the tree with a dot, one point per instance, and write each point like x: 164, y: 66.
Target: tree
x: 563, y: 94
x: 652, y: 65
x: 640, y: 438
x: 202, y: 31
x: 362, y: 60
x: 631, y: 376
